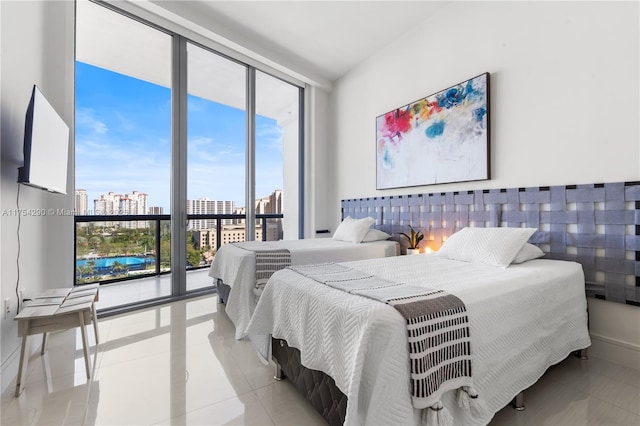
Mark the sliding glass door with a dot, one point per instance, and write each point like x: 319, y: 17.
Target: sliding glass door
x: 122, y: 155
x: 216, y: 157
x: 277, y: 152
x: 179, y: 150
x: 242, y: 128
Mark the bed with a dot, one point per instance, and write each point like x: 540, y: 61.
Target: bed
x: 522, y: 319
x: 234, y: 266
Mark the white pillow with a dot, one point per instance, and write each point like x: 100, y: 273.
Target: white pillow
x: 491, y: 246
x: 375, y: 235
x: 528, y: 252
x: 353, y: 230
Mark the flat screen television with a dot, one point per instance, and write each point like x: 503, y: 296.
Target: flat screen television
x: 46, y: 146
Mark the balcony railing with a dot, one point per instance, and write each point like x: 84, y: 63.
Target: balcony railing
x: 114, y: 248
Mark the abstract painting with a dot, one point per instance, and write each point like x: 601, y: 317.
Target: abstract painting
x: 438, y: 139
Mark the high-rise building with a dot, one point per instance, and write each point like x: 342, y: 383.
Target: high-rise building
x: 270, y: 204
x: 275, y: 201
x: 239, y: 211
x: 156, y: 210
x: 107, y: 204
x: 134, y: 203
x: 112, y: 203
x: 207, y: 206
x: 82, y: 201
x: 263, y: 205
x: 229, y: 234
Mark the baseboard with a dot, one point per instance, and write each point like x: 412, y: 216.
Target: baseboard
x: 614, y: 350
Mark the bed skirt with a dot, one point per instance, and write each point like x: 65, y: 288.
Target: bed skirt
x: 314, y: 385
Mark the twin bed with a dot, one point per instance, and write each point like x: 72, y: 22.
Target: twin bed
x: 524, y: 315
x: 234, y: 267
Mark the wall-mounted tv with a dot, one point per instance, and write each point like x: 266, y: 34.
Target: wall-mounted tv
x: 46, y: 146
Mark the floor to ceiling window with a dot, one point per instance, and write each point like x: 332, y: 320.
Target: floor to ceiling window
x: 216, y: 154
x: 277, y: 153
x: 167, y: 128
x: 122, y: 150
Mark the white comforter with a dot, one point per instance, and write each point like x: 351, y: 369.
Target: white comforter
x: 236, y: 267
x: 523, y: 319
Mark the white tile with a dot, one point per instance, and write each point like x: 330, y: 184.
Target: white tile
x: 561, y: 397
x: 63, y: 357
x: 150, y: 389
x: 115, y: 294
x: 246, y: 360
x: 180, y: 364
x: 286, y: 406
x: 245, y: 409
x: 617, y: 372
x: 58, y: 401
x: 616, y: 393
x: 600, y: 379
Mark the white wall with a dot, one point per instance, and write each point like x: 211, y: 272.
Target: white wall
x: 291, y: 151
x: 36, y: 48
x: 564, y: 105
x: 319, y: 172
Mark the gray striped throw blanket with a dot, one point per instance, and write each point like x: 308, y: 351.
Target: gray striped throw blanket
x: 268, y: 261
x: 437, y: 329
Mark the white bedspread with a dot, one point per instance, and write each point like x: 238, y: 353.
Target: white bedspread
x: 236, y: 267
x: 523, y: 319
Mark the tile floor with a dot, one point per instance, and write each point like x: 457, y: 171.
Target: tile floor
x: 148, y: 288
x: 178, y: 364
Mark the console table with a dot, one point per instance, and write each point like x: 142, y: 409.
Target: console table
x: 55, y: 310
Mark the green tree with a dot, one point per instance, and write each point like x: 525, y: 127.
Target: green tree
x: 82, y: 245
x: 193, y: 255
x: 165, y: 253
x: 119, y: 268
x: 86, y: 271
x: 94, y: 242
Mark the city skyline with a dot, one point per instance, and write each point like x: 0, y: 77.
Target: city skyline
x: 136, y: 201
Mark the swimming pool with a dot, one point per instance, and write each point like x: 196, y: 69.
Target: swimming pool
x: 106, y: 263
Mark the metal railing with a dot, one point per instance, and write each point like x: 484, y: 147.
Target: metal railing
x: 157, y: 220
x: 220, y: 217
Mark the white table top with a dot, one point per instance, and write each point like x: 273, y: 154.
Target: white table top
x: 59, y: 301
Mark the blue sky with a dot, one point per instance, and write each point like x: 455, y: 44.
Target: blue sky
x: 123, y: 142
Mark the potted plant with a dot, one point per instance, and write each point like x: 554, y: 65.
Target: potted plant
x: 414, y: 239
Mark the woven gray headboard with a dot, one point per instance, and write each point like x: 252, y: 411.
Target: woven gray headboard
x: 596, y: 225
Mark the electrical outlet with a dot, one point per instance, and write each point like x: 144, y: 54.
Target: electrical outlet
x: 7, y: 307
x: 23, y: 292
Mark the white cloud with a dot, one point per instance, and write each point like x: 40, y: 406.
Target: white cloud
x: 271, y: 136
x: 85, y: 120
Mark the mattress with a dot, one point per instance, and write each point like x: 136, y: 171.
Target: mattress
x: 235, y: 266
x: 523, y: 319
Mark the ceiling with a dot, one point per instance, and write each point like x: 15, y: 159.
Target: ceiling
x: 322, y: 40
